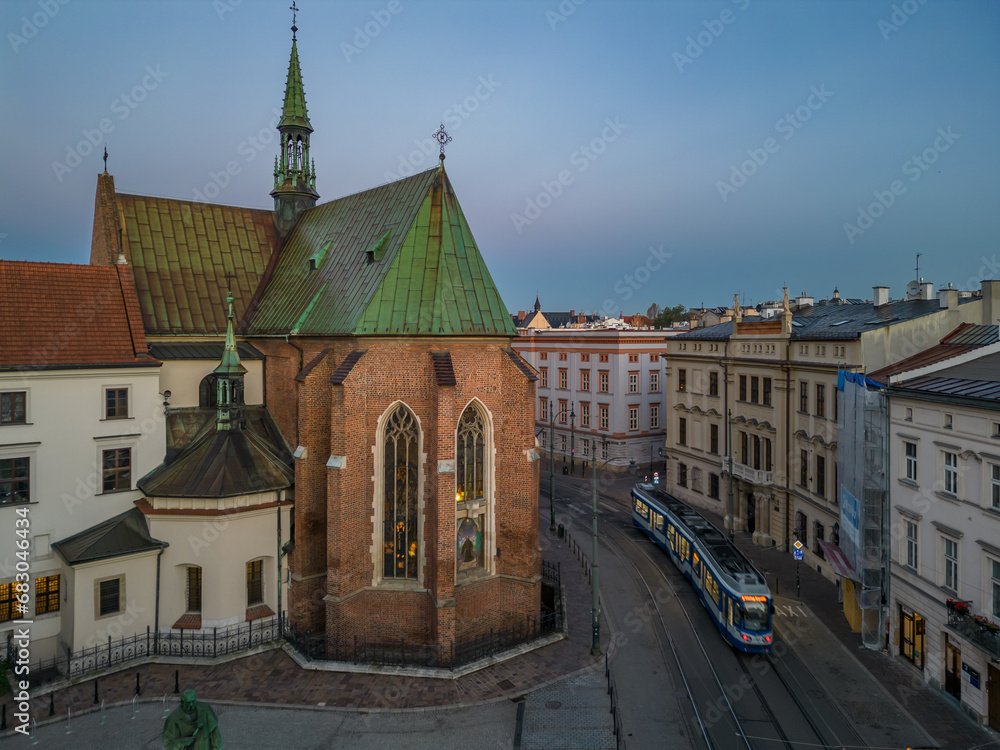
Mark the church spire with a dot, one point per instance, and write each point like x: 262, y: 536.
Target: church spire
x: 294, y: 173
x: 229, y: 380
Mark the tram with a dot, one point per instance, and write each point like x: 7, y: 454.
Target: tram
x: 731, y: 588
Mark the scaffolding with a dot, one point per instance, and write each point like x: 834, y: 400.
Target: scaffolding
x: 862, y: 461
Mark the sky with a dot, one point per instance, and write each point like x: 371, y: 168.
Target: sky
x: 608, y: 154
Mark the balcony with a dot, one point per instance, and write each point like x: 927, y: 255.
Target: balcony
x: 975, y: 628
x: 748, y: 473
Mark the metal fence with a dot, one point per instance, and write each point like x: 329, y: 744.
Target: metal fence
x: 178, y: 644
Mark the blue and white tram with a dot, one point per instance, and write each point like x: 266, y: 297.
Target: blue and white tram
x: 733, y: 591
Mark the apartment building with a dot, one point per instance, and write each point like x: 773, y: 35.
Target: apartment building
x: 762, y: 394
x: 600, y: 393
x: 944, y: 486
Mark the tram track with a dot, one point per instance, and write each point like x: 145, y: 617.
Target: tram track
x: 820, y: 737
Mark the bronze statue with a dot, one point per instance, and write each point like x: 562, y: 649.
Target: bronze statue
x: 192, y: 725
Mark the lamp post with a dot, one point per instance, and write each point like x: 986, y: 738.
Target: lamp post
x: 552, y: 462
x: 595, y: 646
x: 729, y: 419
x: 572, y: 439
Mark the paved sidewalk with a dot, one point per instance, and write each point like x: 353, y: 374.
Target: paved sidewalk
x: 273, y: 680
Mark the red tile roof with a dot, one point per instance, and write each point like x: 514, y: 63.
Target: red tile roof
x: 59, y: 314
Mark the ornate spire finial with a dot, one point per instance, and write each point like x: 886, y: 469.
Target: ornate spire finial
x: 294, y: 11
x: 443, y: 139
x: 105, y: 158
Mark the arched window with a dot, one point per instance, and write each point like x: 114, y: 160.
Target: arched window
x: 472, y: 489
x: 298, y: 154
x: 207, y: 395
x: 470, y: 450
x: 400, y: 459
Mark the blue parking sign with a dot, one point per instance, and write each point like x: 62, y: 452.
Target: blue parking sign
x: 797, y: 553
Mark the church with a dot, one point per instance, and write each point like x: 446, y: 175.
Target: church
x: 368, y: 408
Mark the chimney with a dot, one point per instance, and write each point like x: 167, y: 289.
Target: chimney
x: 881, y: 295
x: 804, y: 300
x: 572, y: 314
x: 948, y: 299
x: 991, y: 301
x: 926, y: 290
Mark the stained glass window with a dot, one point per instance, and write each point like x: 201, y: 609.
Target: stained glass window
x: 471, y: 447
x: 399, y: 517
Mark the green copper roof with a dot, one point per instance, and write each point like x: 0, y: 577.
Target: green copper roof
x: 399, y: 259
x: 294, y: 111
x: 230, y: 364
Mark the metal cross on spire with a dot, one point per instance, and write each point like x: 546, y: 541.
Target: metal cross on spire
x: 105, y: 158
x: 443, y: 139
x: 294, y: 11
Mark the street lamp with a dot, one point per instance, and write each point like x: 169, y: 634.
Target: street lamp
x: 729, y: 418
x: 552, y: 461
x: 595, y: 646
x: 572, y: 439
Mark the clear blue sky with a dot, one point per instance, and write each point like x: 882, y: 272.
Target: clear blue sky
x: 740, y: 137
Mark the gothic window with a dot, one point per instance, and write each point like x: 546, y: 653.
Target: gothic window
x: 298, y: 154
x: 472, y: 489
x: 400, y: 463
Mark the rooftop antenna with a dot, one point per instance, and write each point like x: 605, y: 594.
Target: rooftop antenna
x: 294, y: 11
x: 917, y: 269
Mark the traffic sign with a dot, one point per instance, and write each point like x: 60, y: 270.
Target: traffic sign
x: 798, y: 544
x: 656, y: 477
x: 798, y: 554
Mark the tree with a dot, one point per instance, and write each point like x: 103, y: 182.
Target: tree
x: 654, y: 311
x: 670, y: 315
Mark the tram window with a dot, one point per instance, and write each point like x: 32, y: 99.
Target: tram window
x: 694, y: 564
x: 755, y: 615
x: 712, y: 586
x: 659, y: 521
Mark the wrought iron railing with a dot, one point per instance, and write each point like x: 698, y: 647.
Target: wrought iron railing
x: 980, y: 630
x: 207, y: 644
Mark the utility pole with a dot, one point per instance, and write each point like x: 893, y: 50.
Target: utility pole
x: 572, y: 439
x: 552, y: 463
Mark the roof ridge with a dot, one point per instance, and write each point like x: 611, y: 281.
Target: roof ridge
x: 376, y: 187
x: 197, y: 203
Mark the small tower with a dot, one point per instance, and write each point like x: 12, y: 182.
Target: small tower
x: 294, y: 174
x: 229, y: 381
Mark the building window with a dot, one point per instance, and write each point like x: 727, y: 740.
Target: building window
x: 115, y: 403
x: 910, y: 453
x: 755, y: 389
x: 116, y: 468
x: 713, y: 384
x: 633, y: 417
x: 563, y: 378
x: 713, y: 439
x: 193, y: 588
x: 951, y: 473
x: 995, y: 585
x: 654, y: 416
x: 802, y: 528
x: 744, y: 448
x: 804, y: 397
x: 400, y: 464
x: 7, y: 602
x: 948, y: 421
x: 633, y: 358
x: 995, y: 486
x: 586, y: 447
x: 604, y: 417
x: 562, y: 441
x: 654, y: 357
x: 713, y: 486
x: 109, y: 597
x: 602, y: 357
x: 14, y: 480
x: 470, y: 455
x: 563, y: 411
x: 950, y: 564
x: 818, y: 535
x: 820, y: 400
x: 543, y: 409
x: 46, y: 594
x: 544, y: 373
x: 584, y: 357
x: 696, y: 479
x: 544, y: 355
x: 912, y: 548
x: 633, y: 382
x: 908, y: 416
x: 585, y: 380
x: 682, y: 379
x: 743, y: 387
x: 585, y: 415
x: 12, y: 409
x: 604, y: 450
x: 255, y: 583
x: 562, y: 356
x: 821, y: 476
x: 654, y: 382
x: 804, y: 468
x: 603, y: 381
x: 682, y: 431
x: 767, y: 454
x: 767, y: 391
x: 682, y: 475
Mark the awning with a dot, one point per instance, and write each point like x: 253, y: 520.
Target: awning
x: 838, y: 561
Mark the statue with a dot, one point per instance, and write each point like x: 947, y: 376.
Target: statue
x: 192, y: 725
